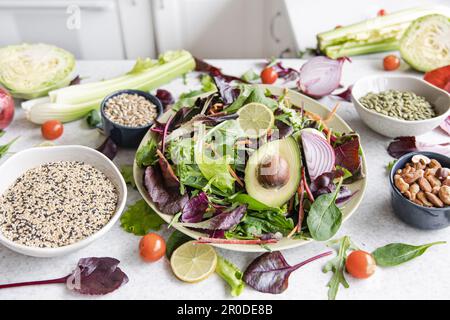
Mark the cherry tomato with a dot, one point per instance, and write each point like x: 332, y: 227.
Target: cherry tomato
x: 152, y: 247
x: 391, y: 62
x: 269, y: 76
x: 360, y: 264
x: 52, y: 129
x: 381, y: 12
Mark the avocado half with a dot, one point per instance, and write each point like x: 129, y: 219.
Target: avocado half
x: 274, y: 190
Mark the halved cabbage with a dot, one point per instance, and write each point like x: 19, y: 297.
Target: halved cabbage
x: 32, y: 70
x: 425, y: 45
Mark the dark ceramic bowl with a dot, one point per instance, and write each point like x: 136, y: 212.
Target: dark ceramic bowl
x: 413, y: 214
x: 123, y: 136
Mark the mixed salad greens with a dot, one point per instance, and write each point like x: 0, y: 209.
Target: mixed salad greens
x: 241, y: 165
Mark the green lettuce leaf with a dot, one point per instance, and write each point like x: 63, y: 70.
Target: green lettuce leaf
x: 139, y: 219
x: 127, y: 173
x: 146, y: 155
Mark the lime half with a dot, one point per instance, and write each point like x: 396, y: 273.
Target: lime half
x: 193, y: 262
x: 255, y: 119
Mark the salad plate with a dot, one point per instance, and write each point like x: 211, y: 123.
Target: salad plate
x: 356, y: 187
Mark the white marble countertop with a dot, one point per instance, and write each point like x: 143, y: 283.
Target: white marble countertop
x: 372, y: 226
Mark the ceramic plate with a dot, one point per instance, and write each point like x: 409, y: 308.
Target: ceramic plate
x: 297, y: 99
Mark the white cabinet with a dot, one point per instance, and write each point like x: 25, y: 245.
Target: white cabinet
x: 91, y: 29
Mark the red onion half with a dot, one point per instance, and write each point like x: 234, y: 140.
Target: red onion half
x: 6, y: 108
x: 319, y: 154
x: 320, y: 76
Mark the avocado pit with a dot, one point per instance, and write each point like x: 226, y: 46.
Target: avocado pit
x: 273, y: 172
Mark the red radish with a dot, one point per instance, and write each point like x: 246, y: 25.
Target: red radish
x: 319, y: 154
x: 6, y: 108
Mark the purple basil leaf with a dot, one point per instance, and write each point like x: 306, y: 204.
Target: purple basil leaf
x: 168, y: 200
x: 170, y: 179
x: 284, y: 130
x: 269, y: 273
x: 223, y: 221
x: 347, y: 154
x: 401, y: 146
x: 96, y: 276
x: 203, y: 66
x: 108, y: 148
x: 165, y: 97
x: 215, y: 119
x: 288, y: 74
x: 346, y: 94
x: 194, y: 210
x: 228, y: 92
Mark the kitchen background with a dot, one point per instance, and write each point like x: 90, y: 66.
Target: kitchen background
x: 127, y: 29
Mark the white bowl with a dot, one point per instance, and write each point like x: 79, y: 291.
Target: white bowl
x: 392, y: 127
x: 22, y: 161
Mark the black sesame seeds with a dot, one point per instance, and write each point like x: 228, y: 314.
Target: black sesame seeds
x: 57, y: 204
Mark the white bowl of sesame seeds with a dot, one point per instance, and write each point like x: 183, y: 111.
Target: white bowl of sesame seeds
x: 56, y: 200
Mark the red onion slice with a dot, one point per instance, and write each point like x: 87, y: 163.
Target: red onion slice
x: 320, y: 76
x: 319, y: 154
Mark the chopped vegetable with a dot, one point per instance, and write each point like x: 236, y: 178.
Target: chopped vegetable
x: 360, y: 264
x: 92, y: 276
x: 52, y: 129
x: 319, y: 154
x: 391, y: 62
x: 74, y: 102
x: 231, y: 274
x: 32, y: 70
x: 6, y: 108
x: 425, y: 45
x: 152, y: 247
x: 373, y: 35
x: 397, y: 253
x: 440, y: 77
x: 320, y: 76
x: 270, y: 272
x: 139, y: 219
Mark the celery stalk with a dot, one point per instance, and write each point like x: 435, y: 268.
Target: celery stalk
x: 370, y: 34
x: 347, y: 50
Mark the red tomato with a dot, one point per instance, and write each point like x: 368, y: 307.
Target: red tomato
x: 440, y: 77
x: 52, y: 129
x: 6, y: 108
x: 360, y: 264
x: 391, y: 62
x: 269, y: 76
x: 152, y: 247
x: 381, y: 12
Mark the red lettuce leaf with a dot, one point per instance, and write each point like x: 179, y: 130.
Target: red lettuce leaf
x: 269, y: 273
x: 203, y: 66
x: 170, y: 179
x: 228, y: 92
x: 96, y: 276
x: 403, y: 145
x: 165, y: 97
x: 168, y: 200
x: 194, y: 210
x: 223, y: 221
x: 284, y: 130
x: 108, y: 148
x: 347, y: 153
x: 288, y: 74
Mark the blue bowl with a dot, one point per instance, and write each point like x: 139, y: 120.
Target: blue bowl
x: 128, y: 137
x: 413, y: 214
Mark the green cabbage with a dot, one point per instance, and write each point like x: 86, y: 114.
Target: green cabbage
x: 425, y: 45
x: 30, y: 71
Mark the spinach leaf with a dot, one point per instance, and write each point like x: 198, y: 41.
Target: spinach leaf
x: 93, y: 119
x: 252, y: 203
x: 146, y: 155
x: 397, y: 253
x: 257, y: 224
x: 176, y: 239
x: 324, y: 217
x: 139, y: 219
x: 231, y: 274
x: 127, y: 173
x: 337, y: 266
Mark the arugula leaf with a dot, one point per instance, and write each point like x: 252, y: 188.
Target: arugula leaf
x: 231, y: 274
x: 93, y: 119
x: 176, y: 239
x: 139, y: 219
x: 146, y: 155
x: 397, y: 253
x: 337, y: 266
x: 324, y: 217
x: 127, y: 173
